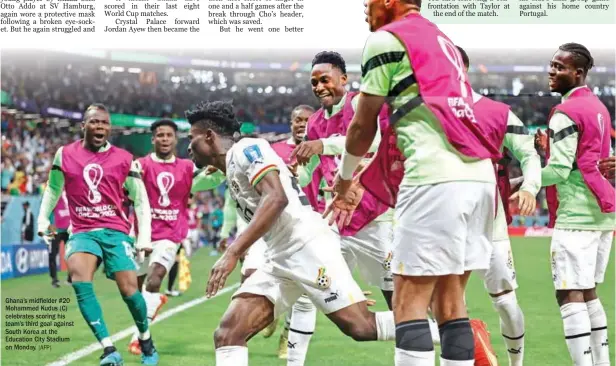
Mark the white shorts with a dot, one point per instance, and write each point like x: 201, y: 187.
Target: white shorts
x: 163, y: 253
x: 370, y: 250
x: 443, y: 229
x: 255, y: 257
x: 317, y: 270
x: 579, y: 258
x: 501, y: 274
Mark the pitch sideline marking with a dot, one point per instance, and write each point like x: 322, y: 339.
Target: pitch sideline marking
x: 85, y: 351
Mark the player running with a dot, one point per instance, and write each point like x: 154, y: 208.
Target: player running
x: 169, y: 182
x: 506, y: 130
x: 580, y: 202
x: 95, y: 174
x: 301, y: 249
x: 434, y: 165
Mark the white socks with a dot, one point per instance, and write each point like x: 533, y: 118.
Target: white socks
x: 232, y: 356
x: 511, y: 325
x: 577, y: 332
x: 385, y: 326
x: 598, y: 334
x: 106, y: 342
x: 152, y: 301
x: 302, y: 326
x: 413, y: 358
x: 445, y: 362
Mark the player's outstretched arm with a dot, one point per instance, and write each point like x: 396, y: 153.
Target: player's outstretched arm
x: 273, y: 202
x: 51, y: 196
x: 139, y: 195
x: 204, y: 180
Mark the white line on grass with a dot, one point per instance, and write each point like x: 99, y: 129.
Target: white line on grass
x: 74, y: 356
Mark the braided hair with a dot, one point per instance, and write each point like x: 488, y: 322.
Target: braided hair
x: 581, y: 56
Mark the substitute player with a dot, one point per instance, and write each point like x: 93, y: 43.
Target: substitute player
x: 302, y: 254
x: 95, y: 174
x: 169, y: 182
x: 434, y: 164
x: 507, y: 131
x: 580, y: 202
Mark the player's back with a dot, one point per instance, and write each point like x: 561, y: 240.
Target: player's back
x: 248, y: 162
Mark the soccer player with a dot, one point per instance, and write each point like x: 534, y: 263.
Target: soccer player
x: 367, y: 245
x: 95, y: 174
x: 434, y: 164
x: 299, y: 119
x: 60, y: 221
x: 580, y: 202
x: 507, y: 131
x: 301, y: 249
x: 169, y: 182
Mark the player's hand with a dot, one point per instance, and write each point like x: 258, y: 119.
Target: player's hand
x: 369, y: 302
x: 293, y: 168
x: 541, y: 141
x: 526, y: 202
x: 221, y: 270
x: 145, y: 247
x: 305, y: 150
x: 341, y: 186
x: 210, y: 170
x: 607, y: 167
x: 342, y: 207
x: 222, y: 245
x: 48, y: 235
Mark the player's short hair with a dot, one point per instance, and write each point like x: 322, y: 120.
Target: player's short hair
x: 581, y: 55
x: 303, y: 107
x: 97, y: 106
x: 465, y: 58
x: 330, y: 57
x: 163, y: 122
x: 218, y: 116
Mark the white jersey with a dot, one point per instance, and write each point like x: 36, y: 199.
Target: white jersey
x: 248, y: 161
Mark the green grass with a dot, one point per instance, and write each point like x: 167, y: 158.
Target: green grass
x: 186, y: 338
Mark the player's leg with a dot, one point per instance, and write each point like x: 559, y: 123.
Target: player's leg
x: 574, y: 256
x: 53, y: 254
x: 162, y: 259
x: 500, y: 282
x: 173, y: 274
x: 121, y: 266
x: 255, y: 305
x: 301, y: 328
x: 598, y: 320
x: 348, y: 250
x: 142, y: 272
x: 83, y: 255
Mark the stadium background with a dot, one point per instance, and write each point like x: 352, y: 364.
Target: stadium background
x: 45, y: 92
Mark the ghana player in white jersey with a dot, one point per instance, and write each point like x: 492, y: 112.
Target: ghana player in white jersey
x: 303, y: 254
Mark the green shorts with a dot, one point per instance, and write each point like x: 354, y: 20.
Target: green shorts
x: 114, y: 248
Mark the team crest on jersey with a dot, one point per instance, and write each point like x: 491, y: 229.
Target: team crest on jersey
x: 387, y: 261
x: 323, y: 280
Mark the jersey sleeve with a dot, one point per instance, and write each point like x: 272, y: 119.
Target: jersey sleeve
x: 256, y: 159
x: 138, y: 194
x: 204, y: 182
x: 229, y: 216
x: 522, y: 146
x: 383, y: 53
x: 53, y: 192
x: 563, y: 148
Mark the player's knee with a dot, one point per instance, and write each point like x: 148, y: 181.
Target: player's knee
x: 457, y: 342
x: 304, y: 305
x: 567, y: 296
x: 414, y: 335
x: 153, y: 283
x: 225, y: 336
x: 590, y: 294
x: 360, y: 331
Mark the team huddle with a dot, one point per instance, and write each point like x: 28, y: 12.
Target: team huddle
x: 406, y: 181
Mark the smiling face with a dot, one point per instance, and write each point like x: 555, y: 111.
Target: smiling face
x: 563, y: 75
x: 164, y: 140
x: 96, y: 127
x: 328, y: 84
